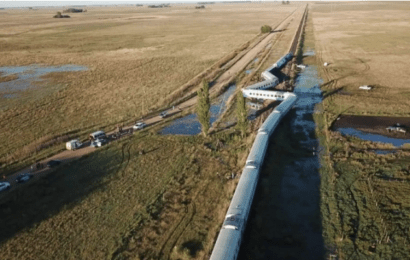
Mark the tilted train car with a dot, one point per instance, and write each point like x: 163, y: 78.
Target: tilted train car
x: 265, y: 84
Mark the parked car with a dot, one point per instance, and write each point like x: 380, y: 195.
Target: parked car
x: 24, y: 177
x: 139, y: 125
x: 73, y: 144
x: 4, y: 186
x: 97, y: 135
x: 163, y: 114
x: 53, y: 163
x: 98, y: 142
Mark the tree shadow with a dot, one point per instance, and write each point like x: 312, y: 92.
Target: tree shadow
x: 27, y: 206
x: 193, y: 247
x: 331, y: 93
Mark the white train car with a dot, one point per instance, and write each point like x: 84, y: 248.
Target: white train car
x: 268, y: 76
x: 270, y: 123
x: 229, y: 239
x: 257, y: 153
x: 264, y: 94
x: 286, y: 105
x: 265, y: 84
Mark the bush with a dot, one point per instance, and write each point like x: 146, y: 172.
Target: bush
x: 266, y: 29
x: 59, y: 15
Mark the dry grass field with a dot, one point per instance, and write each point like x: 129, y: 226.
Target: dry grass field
x: 364, y: 207
x: 136, y: 57
x: 365, y: 44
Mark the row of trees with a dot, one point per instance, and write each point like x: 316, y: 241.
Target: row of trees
x: 204, y: 115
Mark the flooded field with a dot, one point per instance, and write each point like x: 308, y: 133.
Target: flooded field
x: 27, y: 75
x: 285, y: 218
x: 396, y: 142
x: 189, y: 125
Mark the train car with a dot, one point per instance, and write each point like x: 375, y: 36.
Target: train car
x: 282, y: 61
x: 286, y: 105
x: 227, y: 245
x: 268, y: 76
x: 265, y: 84
x: 257, y: 153
x: 229, y: 239
x: 270, y: 123
x: 264, y: 94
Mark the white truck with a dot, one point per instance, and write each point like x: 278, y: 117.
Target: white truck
x: 73, y: 144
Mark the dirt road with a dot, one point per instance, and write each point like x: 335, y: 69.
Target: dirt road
x: 226, y: 77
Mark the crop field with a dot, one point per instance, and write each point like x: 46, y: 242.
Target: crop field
x: 364, y: 206
x: 136, y: 57
x: 145, y: 197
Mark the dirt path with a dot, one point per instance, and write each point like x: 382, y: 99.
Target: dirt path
x: 225, y: 78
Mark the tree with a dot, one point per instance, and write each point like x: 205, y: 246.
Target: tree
x: 241, y: 114
x: 266, y: 29
x: 203, y: 106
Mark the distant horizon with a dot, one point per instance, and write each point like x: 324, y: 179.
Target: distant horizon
x: 24, y: 4
x: 47, y: 3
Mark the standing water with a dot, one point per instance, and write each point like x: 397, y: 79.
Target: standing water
x: 285, y: 220
x: 189, y: 125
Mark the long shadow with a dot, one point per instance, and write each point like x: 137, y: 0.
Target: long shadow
x: 279, y: 74
x: 25, y: 207
x: 276, y: 31
x: 331, y: 93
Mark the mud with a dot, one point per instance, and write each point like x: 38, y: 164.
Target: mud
x: 373, y: 124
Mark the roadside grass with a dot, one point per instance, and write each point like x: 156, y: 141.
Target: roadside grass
x: 136, y: 59
x: 364, y: 208
x: 146, y: 196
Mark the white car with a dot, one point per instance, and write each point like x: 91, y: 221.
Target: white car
x: 163, y: 114
x: 98, y: 143
x: 139, y: 125
x: 4, y: 186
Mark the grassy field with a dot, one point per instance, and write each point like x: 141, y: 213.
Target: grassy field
x: 364, y: 207
x: 365, y: 44
x: 122, y: 203
x: 136, y: 58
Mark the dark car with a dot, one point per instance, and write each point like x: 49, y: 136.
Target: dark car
x: 53, y: 163
x: 24, y: 177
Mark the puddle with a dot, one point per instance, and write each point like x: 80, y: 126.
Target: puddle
x: 309, y: 53
x: 384, y: 151
x: 372, y: 137
x: 28, y: 74
x: 189, y: 125
x: 249, y: 71
x: 285, y: 218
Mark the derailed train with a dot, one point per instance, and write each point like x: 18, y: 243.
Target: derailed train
x: 230, y: 236
x: 270, y: 80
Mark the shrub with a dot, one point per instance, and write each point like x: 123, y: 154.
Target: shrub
x: 59, y: 15
x: 266, y: 29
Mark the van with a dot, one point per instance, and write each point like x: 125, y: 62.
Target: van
x: 97, y: 135
x: 73, y: 144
